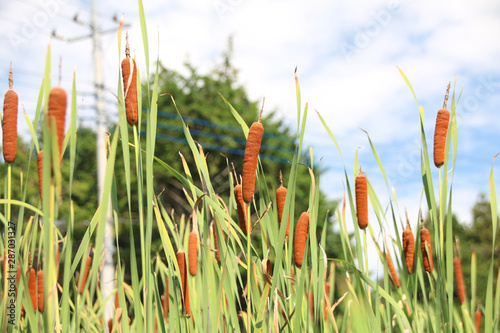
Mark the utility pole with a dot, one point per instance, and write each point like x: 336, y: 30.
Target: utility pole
x: 108, y: 270
x: 107, y: 275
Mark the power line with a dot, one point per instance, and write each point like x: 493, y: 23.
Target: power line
x: 222, y: 126
x: 217, y: 147
x: 225, y: 138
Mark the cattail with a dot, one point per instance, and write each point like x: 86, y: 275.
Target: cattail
x: 129, y: 74
x: 459, y: 279
x: 57, y: 110
x: 392, y: 270
x: 181, y: 262
x: 40, y: 291
x: 267, y: 270
x: 18, y: 275
x: 164, y: 307
x: 325, y: 303
x: 39, y: 159
x: 9, y: 124
x: 32, y: 287
x: 117, y: 300
x: 193, y: 253
x: 217, y: 254
x: 84, y: 276
x: 425, y: 237
x: 478, y: 316
x: 240, y: 205
x: 361, y: 200
x: 409, y: 248
x: 280, y: 202
x: 251, y: 158
x: 311, y: 303
x: 165, y: 301
x: 299, y: 242
x: 440, y: 132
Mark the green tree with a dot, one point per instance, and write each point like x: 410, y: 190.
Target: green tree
x: 478, y: 238
x: 84, y: 195
x: 475, y: 237
x: 212, y: 125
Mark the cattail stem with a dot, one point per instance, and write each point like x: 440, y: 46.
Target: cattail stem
x: 9, y: 190
x: 447, y: 95
x: 261, y: 110
x: 127, y: 47
x: 249, y: 275
x: 11, y: 81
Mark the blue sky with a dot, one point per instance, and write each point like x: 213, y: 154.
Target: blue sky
x: 347, y: 55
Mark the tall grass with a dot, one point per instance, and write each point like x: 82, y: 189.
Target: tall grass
x: 239, y: 293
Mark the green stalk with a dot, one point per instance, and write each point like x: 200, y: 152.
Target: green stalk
x: 9, y: 190
x: 366, y: 263
x: 249, y: 270
x: 138, y: 164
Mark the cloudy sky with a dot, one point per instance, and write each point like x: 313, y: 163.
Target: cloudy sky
x: 347, y: 54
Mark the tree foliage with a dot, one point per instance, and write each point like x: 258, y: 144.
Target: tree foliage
x: 197, y: 96
x: 478, y: 238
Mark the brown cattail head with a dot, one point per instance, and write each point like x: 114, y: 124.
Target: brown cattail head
x: 280, y: 202
x: 9, y: 123
x: 18, y: 275
x: 325, y: 304
x: 362, y: 200
x: 440, y: 133
x: 478, y: 316
x: 241, y: 207
x: 31, y: 273
x: 129, y: 74
x: 392, y: 271
x: 310, y: 299
x: 84, y: 276
x: 39, y: 159
x: 117, y: 300
x: 459, y: 279
x: 57, y: 111
x: 216, y: 241
x: 40, y: 291
x: 217, y: 254
x: 181, y: 262
x: 251, y: 159
x: 193, y: 253
x: 409, y: 249
x: 166, y: 300
x: 299, y: 242
x: 425, y: 238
